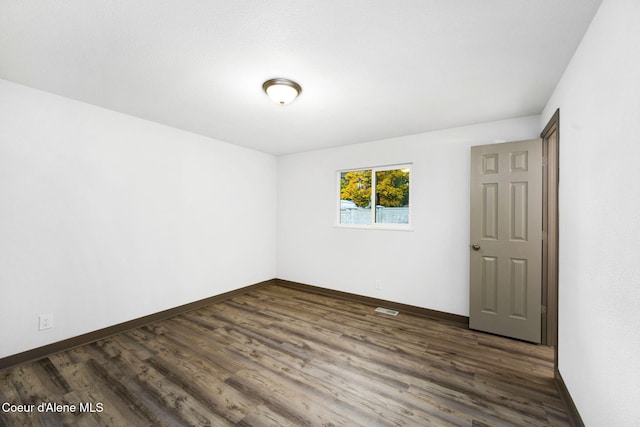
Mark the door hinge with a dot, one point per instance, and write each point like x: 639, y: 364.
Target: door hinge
x: 543, y: 309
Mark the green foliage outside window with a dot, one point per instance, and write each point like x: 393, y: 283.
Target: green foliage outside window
x: 392, y: 187
x: 356, y: 186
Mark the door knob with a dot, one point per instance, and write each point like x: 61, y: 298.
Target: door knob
x: 475, y: 246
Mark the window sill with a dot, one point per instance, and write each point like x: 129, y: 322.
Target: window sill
x: 385, y: 227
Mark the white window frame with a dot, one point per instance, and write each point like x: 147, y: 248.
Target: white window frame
x: 373, y: 225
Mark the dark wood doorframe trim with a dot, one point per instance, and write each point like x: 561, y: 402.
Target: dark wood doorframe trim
x: 550, y: 143
x: 550, y: 148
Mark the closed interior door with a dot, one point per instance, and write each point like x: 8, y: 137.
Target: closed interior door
x: 506, y: 239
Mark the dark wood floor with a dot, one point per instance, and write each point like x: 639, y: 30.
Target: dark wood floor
x: 280, y: 357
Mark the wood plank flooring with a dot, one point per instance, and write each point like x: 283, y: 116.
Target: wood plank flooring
x: 283, y: 357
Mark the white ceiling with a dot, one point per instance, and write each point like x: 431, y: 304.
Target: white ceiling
x: 369, y: 69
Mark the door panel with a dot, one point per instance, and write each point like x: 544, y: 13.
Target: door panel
x: 490, y: 211
x: 489, y: 285
x: 518, y: 288
x: 506, y: 237
x: 519, y: 204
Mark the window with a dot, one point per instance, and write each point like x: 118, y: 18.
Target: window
x: 377, y: 197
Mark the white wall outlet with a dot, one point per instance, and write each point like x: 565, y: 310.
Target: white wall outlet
x: 378, y: 284
x: 46, y: 321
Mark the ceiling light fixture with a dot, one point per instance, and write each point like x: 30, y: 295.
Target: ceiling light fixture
x: 281, y: 91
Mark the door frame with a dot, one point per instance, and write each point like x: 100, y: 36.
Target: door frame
x: 551, y: 179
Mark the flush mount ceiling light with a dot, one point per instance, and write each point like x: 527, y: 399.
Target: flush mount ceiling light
x: 281, y: 91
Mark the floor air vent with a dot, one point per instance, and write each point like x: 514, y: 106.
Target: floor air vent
x: 387, y: 311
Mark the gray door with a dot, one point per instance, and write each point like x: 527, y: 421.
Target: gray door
x: 506, y: 239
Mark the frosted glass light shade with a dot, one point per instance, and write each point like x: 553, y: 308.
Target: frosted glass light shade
x: 281, y: 91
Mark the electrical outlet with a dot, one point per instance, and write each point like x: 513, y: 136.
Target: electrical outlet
x: 378, y: 284
x: 46, y: 321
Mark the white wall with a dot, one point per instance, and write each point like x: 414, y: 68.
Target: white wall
x: 599, y: 277
x: 105, y: 218
x: 427, y: 267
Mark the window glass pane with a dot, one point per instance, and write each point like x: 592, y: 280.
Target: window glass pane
x: 392, y: 196
x: 355, y: 197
